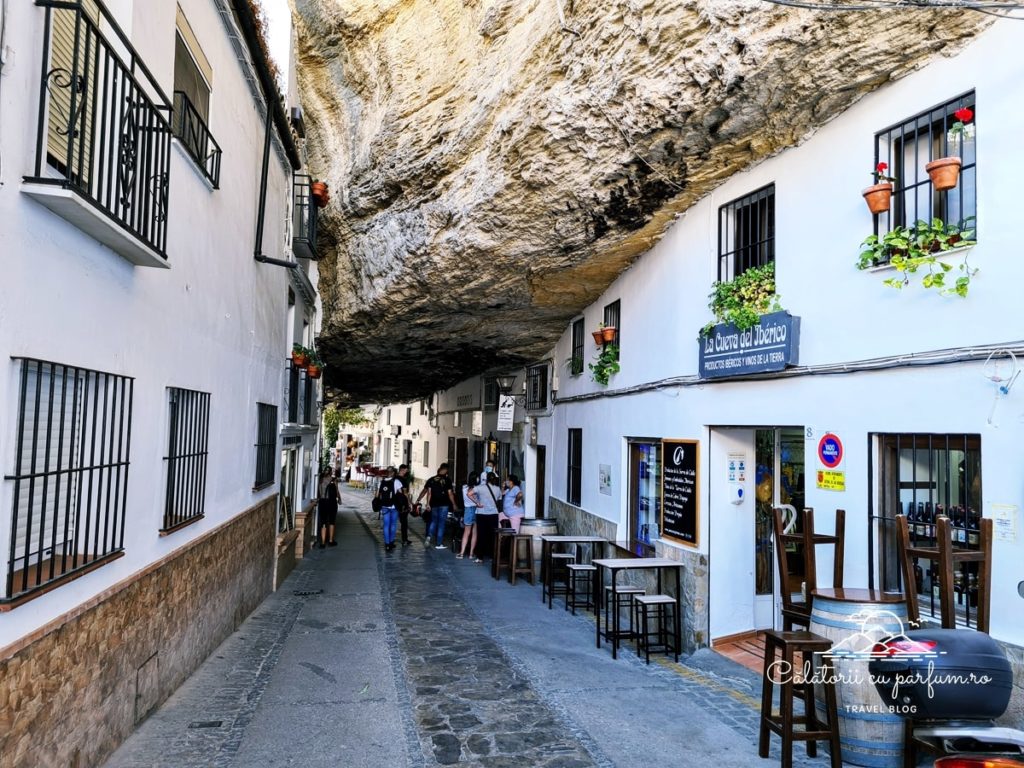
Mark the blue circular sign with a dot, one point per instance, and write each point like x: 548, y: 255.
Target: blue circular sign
x: 830, y: 450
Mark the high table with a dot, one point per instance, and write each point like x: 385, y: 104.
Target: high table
x: 546, y: 542
x: 616, y: 564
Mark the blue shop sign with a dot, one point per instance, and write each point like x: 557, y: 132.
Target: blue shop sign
x: 771, y: 345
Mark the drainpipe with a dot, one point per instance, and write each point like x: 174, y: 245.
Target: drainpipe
x: 261, y: 214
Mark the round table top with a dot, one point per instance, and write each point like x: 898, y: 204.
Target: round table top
x: 844, y: 595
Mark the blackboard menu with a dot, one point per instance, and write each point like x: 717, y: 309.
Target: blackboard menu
x: 680, y: 490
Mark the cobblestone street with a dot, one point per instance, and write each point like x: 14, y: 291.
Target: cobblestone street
x: 415, y: 658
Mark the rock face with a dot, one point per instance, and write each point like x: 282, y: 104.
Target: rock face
x: 494, y: 168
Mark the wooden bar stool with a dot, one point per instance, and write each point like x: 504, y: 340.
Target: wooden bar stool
x: 522, y: 557
x: 502, y: 551
x: 659, y: 607
x: 573, y: 598
x: 558, y: 575
x: 798, y: 612
x: 788, y: 644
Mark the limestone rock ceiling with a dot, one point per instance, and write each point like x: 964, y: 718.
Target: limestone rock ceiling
x: 493, y: 171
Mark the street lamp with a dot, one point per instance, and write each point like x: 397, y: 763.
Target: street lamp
x: 505, y: 384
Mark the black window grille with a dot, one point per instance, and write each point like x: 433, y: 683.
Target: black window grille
x: 408, y: 416
x: 72, y: 443
x: 613, y: 319
x: 187, y: 448
x: 423, y: 407
x: 537, y: 387
x: 266, y: 443
x: 576, y: 361
x: 308, y: 401
x: 574, y: 484
x: 908, y: 146
x: 389, y: 417
x: 490, y: 395
x: 293, y: 394
x: 925, y: 476
x: 426, y: 454
x: 191, y: 130
x: 746, y: 233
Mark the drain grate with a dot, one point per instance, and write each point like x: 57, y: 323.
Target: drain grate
x: 307, y: 592
x: 206, y: 724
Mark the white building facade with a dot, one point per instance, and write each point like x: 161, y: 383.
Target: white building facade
x: 155, y: 438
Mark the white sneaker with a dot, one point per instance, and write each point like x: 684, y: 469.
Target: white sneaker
x: 440, y: 546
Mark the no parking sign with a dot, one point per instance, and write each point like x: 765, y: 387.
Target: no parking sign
x: 830, y: 456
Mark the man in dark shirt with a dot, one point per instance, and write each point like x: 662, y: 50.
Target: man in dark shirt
x: 442, y: 499
x: 403, y: 504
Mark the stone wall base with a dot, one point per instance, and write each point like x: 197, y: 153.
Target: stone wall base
x: 575, y: 521
x: 71, y: 692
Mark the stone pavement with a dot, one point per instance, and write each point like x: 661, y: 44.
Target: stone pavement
x: 413, y: 658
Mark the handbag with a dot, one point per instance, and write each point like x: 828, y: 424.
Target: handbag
x: 415, y: 511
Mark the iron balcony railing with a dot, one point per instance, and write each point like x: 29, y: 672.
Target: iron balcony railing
x: 304, y: 219
x: 196, y: 138
x: 103, y: 120
x: 301, y: 397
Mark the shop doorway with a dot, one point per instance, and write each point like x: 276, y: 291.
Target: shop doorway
x: 540, y: 482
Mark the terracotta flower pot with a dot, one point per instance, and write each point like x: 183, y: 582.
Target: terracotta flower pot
x: 299, y: 359
x: 608, y: 333
x: 944, y: 172
x: 321, y: 194
x: 598, y: 336
x: 878, y: 196
x: 313, y: 371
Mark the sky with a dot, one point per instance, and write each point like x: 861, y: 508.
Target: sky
x: 279, y: 16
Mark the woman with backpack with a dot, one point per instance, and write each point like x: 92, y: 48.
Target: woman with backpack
x: 388, y: 497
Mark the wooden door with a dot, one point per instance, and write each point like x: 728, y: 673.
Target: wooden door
x: 540, y: 482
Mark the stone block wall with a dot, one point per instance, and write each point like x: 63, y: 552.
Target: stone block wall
x: 578, y: 522
x: 71, y: 692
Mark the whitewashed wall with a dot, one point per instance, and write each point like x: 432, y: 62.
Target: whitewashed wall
x: 847, y: 315
x: 215, y: 321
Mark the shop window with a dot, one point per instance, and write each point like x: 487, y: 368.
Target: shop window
x: 574, y: 484
x: 188, y: 418
x: 490, y: 395
x: 644, y: 495
x: 576, y: 360
x: 70, y: 473
x: 537, y: 387
x: 613, y: 319
x: 746, y: 233
x: 925, y: 476
x: 908, y: 146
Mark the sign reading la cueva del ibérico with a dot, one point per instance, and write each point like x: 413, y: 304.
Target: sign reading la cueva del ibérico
x: 771, y: 345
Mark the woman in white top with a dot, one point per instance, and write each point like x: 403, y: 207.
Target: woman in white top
x: 487, y: 493
x: 470, y: 501
x: 512, y: 502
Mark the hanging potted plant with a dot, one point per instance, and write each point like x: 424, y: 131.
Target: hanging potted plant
x: 313, y: 370
x: 598, y: 335
x: 321, y: 193
x: 879, y: 194
x: 605, y: 364
x: 945, y: 171
x: 300, y: 356
x: 608, y: 333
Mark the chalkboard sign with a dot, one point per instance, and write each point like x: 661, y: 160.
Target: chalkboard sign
x: 680, y: 490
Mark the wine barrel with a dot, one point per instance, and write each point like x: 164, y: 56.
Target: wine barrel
x: 854, y: 620
x: 538, y: 526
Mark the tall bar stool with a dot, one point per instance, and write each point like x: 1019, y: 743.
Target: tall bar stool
x: 558, y: 575
x: 576, y: 597
x: 623, y: 598
x: 522, y: 557
x: 662, y: 608
x: 788, y: 644
x: 502, y: 551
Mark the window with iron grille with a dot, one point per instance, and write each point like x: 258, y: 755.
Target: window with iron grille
x: 490, y: 395
x: 908, y: 146
x: 188, y: 418
x: 423, y: 407
x: 389, y: 417
x: 746, y: 233
x: 408, y: 416
x: 426, y: 454
x: 70, y: 480
x: 613, y: 319
x: 266, y: 443
x: 537, y: 387
x: 574, y: 484
x: 308, y: 401
x: 293, y: 394
x: 925, y: 476
x: 576, y: 361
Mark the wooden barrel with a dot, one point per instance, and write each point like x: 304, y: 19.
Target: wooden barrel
x: 854, y: 619
x: 538, y: 526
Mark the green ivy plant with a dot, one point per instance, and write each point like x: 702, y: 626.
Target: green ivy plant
x: 743, y: 300
x: 605, y: 364
x: 917, y: 247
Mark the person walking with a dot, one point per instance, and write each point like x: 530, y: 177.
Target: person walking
x: 403, y: 502
x: 470, y: 502
x: 442, y: 499
x: 327, y: 509
x: 512, y: 502
x: 388, y: 493
x: 487, y: 492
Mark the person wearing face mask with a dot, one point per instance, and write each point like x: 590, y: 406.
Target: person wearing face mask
x: 488, y: 470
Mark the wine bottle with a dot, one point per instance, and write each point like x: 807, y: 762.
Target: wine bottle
x: 961, y: 521
x: 921, y: 516
x: 973, y: 528
x: 928, y: 514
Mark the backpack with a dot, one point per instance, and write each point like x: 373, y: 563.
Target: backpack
x: 386, y: 493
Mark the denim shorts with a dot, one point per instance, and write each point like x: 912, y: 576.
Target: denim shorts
x: 469, y: 516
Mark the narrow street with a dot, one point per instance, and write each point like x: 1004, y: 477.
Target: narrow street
x: 415, y: 658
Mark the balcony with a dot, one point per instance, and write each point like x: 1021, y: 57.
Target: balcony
x: 304, y: 216
x: 196, y: 139
x: 301, y: 396
x: 103, y: 138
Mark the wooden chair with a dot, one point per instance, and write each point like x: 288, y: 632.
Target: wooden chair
x: 798, y: 612
x: 946, y: 555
